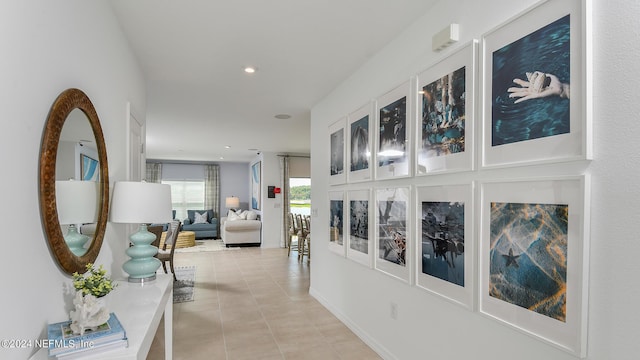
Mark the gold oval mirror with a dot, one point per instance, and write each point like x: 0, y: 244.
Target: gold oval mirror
x: 71, y: 110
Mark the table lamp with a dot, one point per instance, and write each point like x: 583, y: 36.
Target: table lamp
x: 232, y: 202
x: 77, y: 203
x: 142, y: 203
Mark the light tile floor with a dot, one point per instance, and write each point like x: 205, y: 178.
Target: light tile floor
x: 254, y: 304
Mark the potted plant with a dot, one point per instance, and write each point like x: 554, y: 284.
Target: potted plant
x: 91, y: 309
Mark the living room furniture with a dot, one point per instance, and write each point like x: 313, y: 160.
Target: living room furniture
x: 139, y: 308
x: 206, y: 230
x: 164, y: 255
x: 237, y: 231
x: 185, y: 239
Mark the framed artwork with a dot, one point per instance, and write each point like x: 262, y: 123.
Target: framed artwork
x: 337, y: 174
x: 531, y: 63
x: 89, y: 169
x: 534, y: 258
x: 392, y: 252
x: 255, y: 185
x: 446, y: 246
x: 445, y: 131
x: 336, y: 222
x: 359, y: 248
x: 393, y: 143
x: 359, y: 144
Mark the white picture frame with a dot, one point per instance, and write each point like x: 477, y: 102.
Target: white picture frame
x: 359, y: 144
x: 445, y: 116
x: 445, y: 244
x: 337, y: 222
x: 359, y: 242
x: 550, y: 41
x: 393, y: 232
x: 534, y: 251
x: 337, y: 170
x: 394, y: 111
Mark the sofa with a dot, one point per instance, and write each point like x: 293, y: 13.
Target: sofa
x: 241, y: 228
x: 201, y: 222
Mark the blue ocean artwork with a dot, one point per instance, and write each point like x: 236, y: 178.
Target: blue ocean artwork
x: 360, y: 152
x: 528, y: 256
x: 443, y: 115
x: 90, y: 170
x: 537, y: 104
x: 443, y: 241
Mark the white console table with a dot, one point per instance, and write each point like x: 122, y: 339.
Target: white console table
x: 139, y: 308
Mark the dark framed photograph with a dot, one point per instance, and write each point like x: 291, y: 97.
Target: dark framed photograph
x: 359, y: 246
x: 536, y: 87
x: 337, y: 173
x: 445, y: 246
x: 393, y: 136
x: 392, y: 232
x: 359, y: 144
x: 336, y: 222
x: 446, y: 93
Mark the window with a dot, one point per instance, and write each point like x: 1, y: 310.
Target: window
x: 186, y: 195
x: 300, y: 195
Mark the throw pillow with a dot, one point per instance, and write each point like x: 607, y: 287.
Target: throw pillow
x: 200, y: 218
x: 243, y: 215
x: 252, y: 215
x: 232, y: 216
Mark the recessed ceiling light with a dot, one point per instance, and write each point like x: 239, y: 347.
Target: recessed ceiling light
x: 227, y: 147
x: 250, y: 69
x: 283, y: 116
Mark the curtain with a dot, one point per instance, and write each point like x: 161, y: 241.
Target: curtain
x: 212, y: 189
x: 154, y: 172
x: 284, y: 167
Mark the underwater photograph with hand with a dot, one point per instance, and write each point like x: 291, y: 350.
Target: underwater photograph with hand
x: 531, y: 87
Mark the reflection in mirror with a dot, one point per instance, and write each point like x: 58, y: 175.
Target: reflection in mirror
x: 77, y: 201
x: 73, y: 148
x: 77, y: 205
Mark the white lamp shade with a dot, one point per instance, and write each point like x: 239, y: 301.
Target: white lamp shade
x: 135, y: 202
x: 77, y: 201
x: 232, y: 202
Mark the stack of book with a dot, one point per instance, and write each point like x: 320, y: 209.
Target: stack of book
x: 65, y: 345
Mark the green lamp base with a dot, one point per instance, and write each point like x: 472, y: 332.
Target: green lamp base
x: 143, y: 265
x: 75, y: 241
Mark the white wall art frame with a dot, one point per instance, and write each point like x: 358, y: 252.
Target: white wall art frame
x: 358, y: 226
x: 392, y: 152
x: 360, y: 124
x: 392, y: 231
x: 337, y: 154
x: 534, y: 252
x: 337, y: 222
x: 445, y: 129
x: 536, y: 103
x: 445, y: 244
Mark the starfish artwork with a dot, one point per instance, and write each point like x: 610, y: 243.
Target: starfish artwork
x: 511, y: 259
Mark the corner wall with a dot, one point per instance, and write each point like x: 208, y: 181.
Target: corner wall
x: 48, y: 47
x: 430, y: 327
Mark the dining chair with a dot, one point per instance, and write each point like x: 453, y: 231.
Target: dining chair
x: 302, y: 236
x: 293, y: 232
x: 170, y: 238
x: 157, y: 231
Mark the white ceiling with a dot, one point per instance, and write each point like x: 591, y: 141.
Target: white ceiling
x: 193, y: 53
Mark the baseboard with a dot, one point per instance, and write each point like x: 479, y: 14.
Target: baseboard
x: 363, y: 335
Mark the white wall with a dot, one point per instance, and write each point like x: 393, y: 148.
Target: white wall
x: 430, y: 327
x: 47, y: 47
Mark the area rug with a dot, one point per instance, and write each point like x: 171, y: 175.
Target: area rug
x: 206, y: 245
x: 183, y: 287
